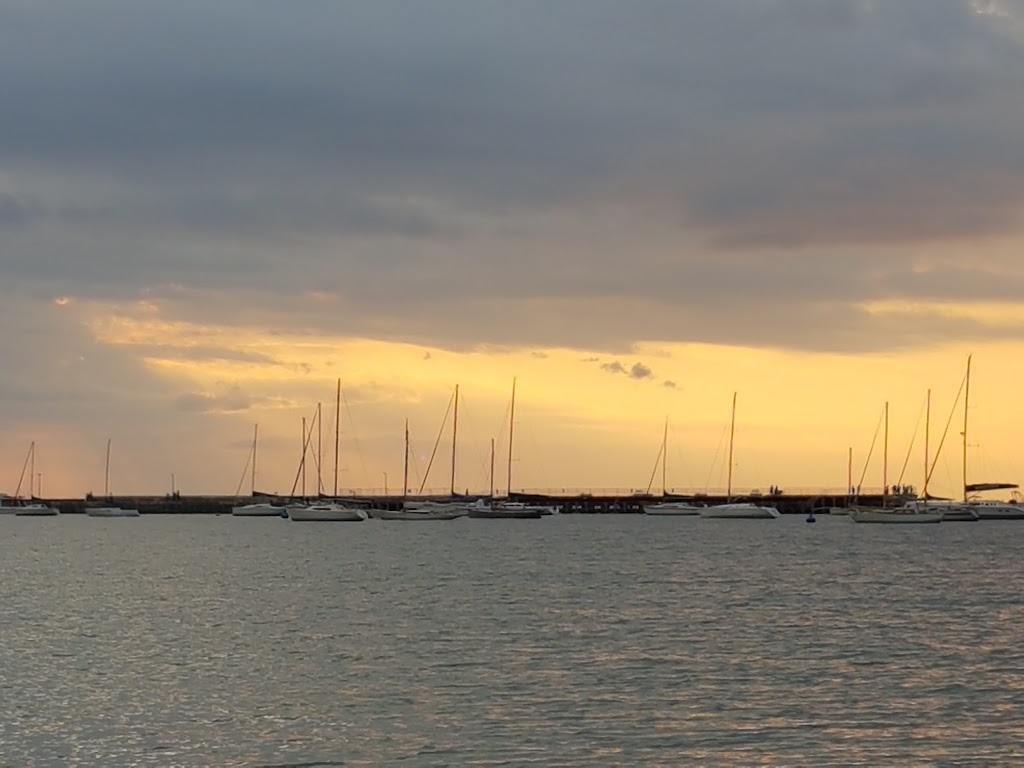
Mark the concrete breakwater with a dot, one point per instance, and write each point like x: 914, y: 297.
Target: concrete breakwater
x: 574, y: 504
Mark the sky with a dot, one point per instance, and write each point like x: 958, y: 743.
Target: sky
x: 210, y: 214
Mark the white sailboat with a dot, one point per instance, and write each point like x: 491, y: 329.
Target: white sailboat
x: 507, y: 510
x: 886, y: 514
x: 327, y: 511
x: 255, y: 509
x: 31, y: 508
x: 674, y: 508
x: 732, y: 509
x: 110, y: 509
x: 985, y: 509
x: 419, y: 510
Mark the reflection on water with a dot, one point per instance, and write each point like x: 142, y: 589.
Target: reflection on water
x: 571, y: 640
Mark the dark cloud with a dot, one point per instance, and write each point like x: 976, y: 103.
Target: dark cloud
x: 669, y: 384
x: 734, y: 172
x: 640, y: 371
x: 613, y: 367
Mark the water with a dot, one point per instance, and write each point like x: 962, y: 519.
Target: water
x: 572, y: 640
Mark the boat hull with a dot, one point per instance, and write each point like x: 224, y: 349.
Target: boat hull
x: 675, y: 510
x: 258, y: 510
x: 419, y: 514
x: 35, y: 511
x: 327, y: 515
x: 740, y: 511
x: 506, y: 514
x: 894, y: 516
x: 1008, y: 512
x: 111, y: 512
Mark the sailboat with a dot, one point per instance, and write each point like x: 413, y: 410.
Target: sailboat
x: 32, y: 508
x: 731, y: 509
x: 514, y: 510
x: 984, y: 509
x: 110, y: 509
x: 419, y: 510
x: 903, y: 514
x: 255, y: 509
x: 664, y: 507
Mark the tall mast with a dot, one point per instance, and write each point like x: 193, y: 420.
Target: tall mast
x: 849, y: 474
x: 491, y: 494
x: 319, y: 450
x: 927, y: 430
x: 303, y: 462
x: 455, y: 432
x: 664, y: 451
x: 405, y: 472
x: 732, y: 432
x: 32, y: 471
x: 885, y: 458
x: 255, y: 436
x: 337, y: 432
x: 106, y: 472
x: 967, y: 394
x: 511, y: 425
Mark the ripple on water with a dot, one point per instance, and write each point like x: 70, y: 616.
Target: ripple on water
x: 567, y: 641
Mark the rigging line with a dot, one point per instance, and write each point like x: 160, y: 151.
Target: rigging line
x: 469, y: 424
x: 657, y: 463
x: 305, y: 449
x: 913, y: 437
x: 946, y: 430
x: 245, y: 471
x: 714, y: 460
x: 355, y: 438
x: 871, y: 450
x: 437, y: 442
x: 17, y: 491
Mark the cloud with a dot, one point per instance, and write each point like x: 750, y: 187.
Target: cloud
x: 231, y: 400
x: 640, y: 371
x: 669, y: 384
x: 613, y: 367
x: 778, y: 165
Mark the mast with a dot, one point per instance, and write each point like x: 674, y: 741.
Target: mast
x: 664, y: 451
x: 337, y: 432
x: 302, y: 463
x: 511, y: 425
x: 319, y: 450
x: 967, y: 394
x: 255, y: 436
x: 32, y: 471
x: 405, y: 472
x: 885, y: 458
x: 455, y: 432
x: 732, y: 432
x: 492, y: 471
x: 106, y: 473
x: 849, y: 474
x: 927, y: 431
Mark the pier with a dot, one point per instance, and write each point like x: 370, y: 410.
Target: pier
x: 583, y: 503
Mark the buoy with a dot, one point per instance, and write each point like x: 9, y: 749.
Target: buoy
x: 810, y: 518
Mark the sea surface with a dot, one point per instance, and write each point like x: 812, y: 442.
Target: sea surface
x: 568, y: 641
